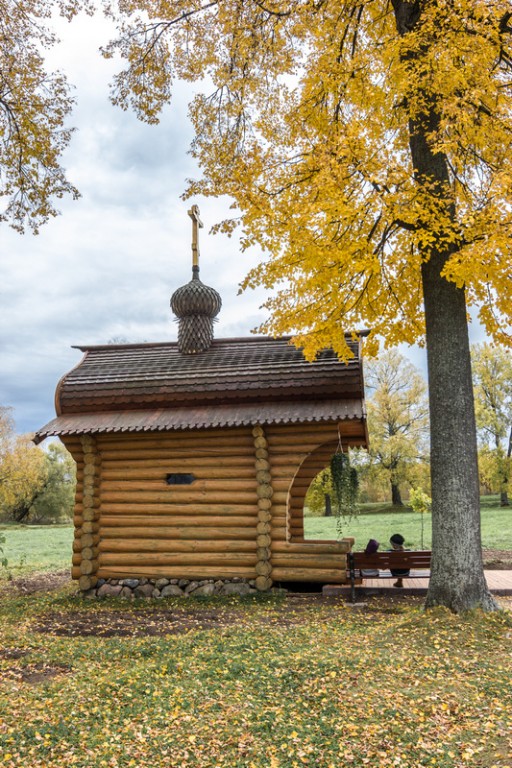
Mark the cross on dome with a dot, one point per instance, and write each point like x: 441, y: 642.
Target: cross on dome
x: 195, y: 304
x: 197, y: 224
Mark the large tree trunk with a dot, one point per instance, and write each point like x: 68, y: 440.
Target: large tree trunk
x: 396, y: 496
x: 457, y: 577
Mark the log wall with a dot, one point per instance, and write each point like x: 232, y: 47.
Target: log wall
x: 145, y: 527
x: 241, y: 517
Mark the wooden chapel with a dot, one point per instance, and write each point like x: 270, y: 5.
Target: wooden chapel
x: 194, y: 457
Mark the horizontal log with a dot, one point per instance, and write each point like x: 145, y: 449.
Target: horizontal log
x: 313, y: 560
x: 191, y: 533
x: 179, y: 463
x: 190, y: 510
x: 279, y: 512
x: 193, y: 523
x: 311, y: 546
x: 303, y: 442
x: 174, y: 441
x: 301, y: 484
x: 153, y: 439
x: 176, y: 559
x: 175, y: 572
x: 180, y: 494
x: 174, y: 545
x: 278, y: 524
x: 213, y: 472
x: 317, y: 575
x: 179, y: 458
x: 287, y: 460
x: 199, y: 486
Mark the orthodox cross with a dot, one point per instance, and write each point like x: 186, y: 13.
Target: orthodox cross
x: 197, y: 224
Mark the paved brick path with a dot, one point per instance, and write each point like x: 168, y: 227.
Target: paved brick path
x: 499, y: 582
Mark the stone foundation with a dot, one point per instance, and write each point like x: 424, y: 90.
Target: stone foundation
x: 161, y: 588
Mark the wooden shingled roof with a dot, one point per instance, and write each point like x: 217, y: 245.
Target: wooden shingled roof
x: 238, y: 381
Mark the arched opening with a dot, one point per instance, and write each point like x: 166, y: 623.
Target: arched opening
x: 315, y: 462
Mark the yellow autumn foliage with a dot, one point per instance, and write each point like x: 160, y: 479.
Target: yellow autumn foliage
x: 34, y: 107
x: 308, y: 130
x: 22, y: 467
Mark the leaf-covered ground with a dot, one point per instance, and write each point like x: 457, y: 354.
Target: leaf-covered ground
x: 277, y: 682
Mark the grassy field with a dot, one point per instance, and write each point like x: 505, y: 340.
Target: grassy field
x: 35, y: 548
x: 380, y: 521
x: 269, y: 682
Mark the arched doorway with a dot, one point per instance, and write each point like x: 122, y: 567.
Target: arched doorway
x: 314, y: 463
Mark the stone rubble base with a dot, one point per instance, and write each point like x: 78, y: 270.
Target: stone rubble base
x: 160, y: 588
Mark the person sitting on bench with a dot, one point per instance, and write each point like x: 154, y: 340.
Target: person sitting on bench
x: 397, y: 544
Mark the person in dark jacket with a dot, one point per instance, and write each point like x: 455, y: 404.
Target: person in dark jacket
x: 397, y: 545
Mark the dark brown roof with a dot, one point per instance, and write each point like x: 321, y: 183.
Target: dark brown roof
x: 134, y: 385
x: 202, y: 417
x: 127, y: 377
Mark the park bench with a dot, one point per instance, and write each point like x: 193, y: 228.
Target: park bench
x: 378, y: 566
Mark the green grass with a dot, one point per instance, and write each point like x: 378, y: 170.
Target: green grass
x: 277, y: 683
x: 380, y: 521
x: 36, y: 548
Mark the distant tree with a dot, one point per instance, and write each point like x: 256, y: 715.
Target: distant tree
x: 36, y: 484
x: 55, y: 501
x: 397, y: 419
x: 492, y: 379
x: 487, y: 469
x: 318, y: 499
x: 34, y: 107
x: 22, y: 469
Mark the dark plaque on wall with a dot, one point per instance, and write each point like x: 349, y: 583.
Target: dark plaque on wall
x: 176, y: 478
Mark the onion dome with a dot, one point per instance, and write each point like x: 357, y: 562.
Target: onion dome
x: 195, y: 304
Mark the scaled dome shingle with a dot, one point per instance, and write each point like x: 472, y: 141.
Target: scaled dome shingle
x: 196, y: 298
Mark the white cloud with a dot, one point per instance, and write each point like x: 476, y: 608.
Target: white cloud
x: 108, y: 265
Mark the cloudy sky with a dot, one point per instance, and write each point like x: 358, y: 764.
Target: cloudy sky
x: 106, y: 268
